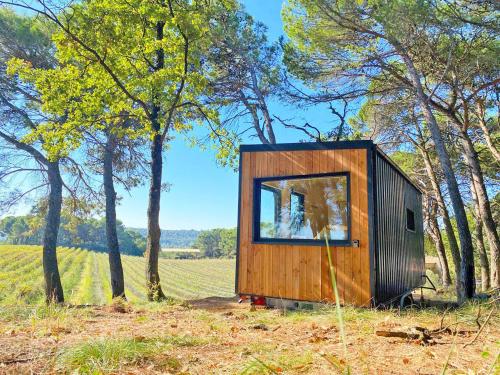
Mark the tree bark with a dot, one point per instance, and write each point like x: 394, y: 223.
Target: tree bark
x: 115, y: 262
x: 53, y: 287
x: 154, y: 291
x: 435, y: 234
x: 450, y: 233
x: 483, y: 205
x: 483, y: 258
x: 255, y: 118
x: 486, y: 132
x: 466, y: 281
x: 268, y: 122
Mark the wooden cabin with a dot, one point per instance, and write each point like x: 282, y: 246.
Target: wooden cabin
x: 292, y: 196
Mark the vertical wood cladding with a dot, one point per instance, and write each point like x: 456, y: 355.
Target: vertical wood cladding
x: 300, y: 272
x: 400, y: 252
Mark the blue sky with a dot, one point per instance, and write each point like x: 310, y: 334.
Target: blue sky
x: 204, y: 195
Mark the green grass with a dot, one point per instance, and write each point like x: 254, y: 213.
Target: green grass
x: 85, y: 276
x: 108, y: 355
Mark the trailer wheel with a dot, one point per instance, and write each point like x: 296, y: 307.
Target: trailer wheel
x: 406, y: 300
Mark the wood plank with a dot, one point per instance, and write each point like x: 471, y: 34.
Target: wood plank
x: 340, y: 166
x: 281, y: 271
x: 365, y: 255
x: 244, y: 240
x: 315, y: 265
x: 286, y: 163
x: 355, y: 229
x: 269, y: 281
x: 252, y: 282
x: 303, y: 257
x: 298, y: 158
x: 279, y: 255
x: 332, y: 166
x: 307, y: 269
x: 261, y: 265
x: 324, y: 270
x: 268, y: 270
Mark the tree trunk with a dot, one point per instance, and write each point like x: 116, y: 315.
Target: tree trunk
x: 486, y: 132
x: 53, y: 288
x: 155, y: 292
x: 435, y: 233
x: 450, y: 233
x: 252, y: 108
x: 115, y: 262
x: 483, y: 258
x: 483, y: 205
x: 268, y: 122
x: 466, y: 282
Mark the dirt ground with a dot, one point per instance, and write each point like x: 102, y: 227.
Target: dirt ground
x: 233, y: 339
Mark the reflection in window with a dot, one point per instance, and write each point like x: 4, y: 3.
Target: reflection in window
x: 297, y: 214
x: 269, y: 216
x: 302, y: 208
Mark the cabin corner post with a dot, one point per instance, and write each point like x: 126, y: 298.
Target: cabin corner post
x: 238, y: 232
x: 372, y: 220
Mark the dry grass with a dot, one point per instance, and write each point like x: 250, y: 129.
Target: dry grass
x: 218, y: 336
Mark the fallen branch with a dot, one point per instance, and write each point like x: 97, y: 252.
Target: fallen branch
x: 403, y: 335
x: 417, y: 333
x: 24, y: 360
x: 421, y: 333
x: 481, y: 329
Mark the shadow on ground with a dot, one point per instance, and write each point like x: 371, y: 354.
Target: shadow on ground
x: 216, y: 303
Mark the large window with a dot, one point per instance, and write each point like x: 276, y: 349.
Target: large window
x: 302, y: 209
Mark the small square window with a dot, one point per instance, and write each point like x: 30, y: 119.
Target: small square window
x: 410, y: 220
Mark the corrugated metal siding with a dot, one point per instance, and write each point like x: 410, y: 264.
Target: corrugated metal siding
x: 399, y: 252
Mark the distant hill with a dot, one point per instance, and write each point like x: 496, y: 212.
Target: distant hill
x: 176, y: 238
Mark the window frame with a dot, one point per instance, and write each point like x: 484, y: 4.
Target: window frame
x: 277, y: 202
x: 414, y: 230
x: 257, y: 183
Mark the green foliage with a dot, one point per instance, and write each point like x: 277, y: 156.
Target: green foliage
x: 115, y: 69
x: 173, y: 238
x: 28, y: 36
x: 108, y: 355
x: 77, y: 229
x: 217, y: 243
x: 244, y: 74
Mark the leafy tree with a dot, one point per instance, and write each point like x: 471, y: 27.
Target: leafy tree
x: 227, y: 242
x: 116, y: 155
x: 79, y: 228
x: 25, y: 157
x: 144, y: 59
x: 462, y: 76
x: 356, y: 44
x: 15, y: 230
x: 245, y: 73
x: 217, y: 243
x: 208, y: 243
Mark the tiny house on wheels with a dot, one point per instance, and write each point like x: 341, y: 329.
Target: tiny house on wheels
x: 292, y: 196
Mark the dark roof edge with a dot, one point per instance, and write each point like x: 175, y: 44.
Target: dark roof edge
x: 304, y: 146
x: 384, y: 156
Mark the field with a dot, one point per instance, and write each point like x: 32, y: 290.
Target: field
x: 211, y: 333
x: 85, y: 276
